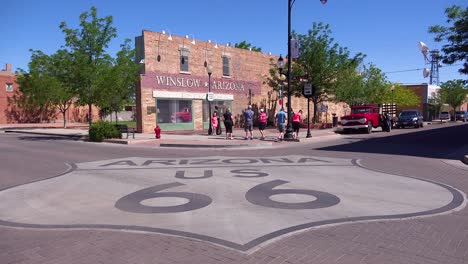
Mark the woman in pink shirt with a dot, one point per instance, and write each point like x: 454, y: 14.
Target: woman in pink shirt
x: 214, y: 122
x: 296, y: 123
x: 262, y: 121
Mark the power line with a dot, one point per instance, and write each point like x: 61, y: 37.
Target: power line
x: 445, y: 66
x: 404, y: 70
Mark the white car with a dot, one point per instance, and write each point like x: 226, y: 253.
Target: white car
x: 444, y: 115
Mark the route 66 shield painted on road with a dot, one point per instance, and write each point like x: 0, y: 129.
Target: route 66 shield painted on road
x: 231, y: 201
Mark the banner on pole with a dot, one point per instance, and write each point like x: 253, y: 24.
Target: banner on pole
x: 294, y: 49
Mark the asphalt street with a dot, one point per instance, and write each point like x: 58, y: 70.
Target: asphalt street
x: 397, y: 197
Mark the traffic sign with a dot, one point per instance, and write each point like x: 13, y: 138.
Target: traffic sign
x: 308, y: 90
x: 210, y: 97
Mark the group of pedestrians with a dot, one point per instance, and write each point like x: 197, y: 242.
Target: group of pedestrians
x: 248, y: 114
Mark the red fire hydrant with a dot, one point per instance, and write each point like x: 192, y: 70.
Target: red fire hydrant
x: 157, y: 131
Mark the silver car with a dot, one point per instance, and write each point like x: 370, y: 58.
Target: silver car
x: 444, y: 115
x: 461, y: 115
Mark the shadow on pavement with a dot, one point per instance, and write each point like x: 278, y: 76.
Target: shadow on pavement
x: 440, y: 143
x: 55, y: 138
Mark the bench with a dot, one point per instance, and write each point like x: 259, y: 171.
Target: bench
x: 125, y: 129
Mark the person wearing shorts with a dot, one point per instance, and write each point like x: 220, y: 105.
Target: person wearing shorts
x: 248, y: 122
x: 262, y: 121
x: 280, y: 118
x: 296, y: 123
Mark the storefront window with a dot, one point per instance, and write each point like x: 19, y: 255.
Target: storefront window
x: 174, y: 111
x: 219, y: 106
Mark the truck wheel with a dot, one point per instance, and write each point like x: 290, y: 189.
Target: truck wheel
x: 369, y: 127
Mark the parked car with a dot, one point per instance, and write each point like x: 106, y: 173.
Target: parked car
x: 409, y: 118
x: 362, y: 117
x: 444, y: 115
x: 461, y: 115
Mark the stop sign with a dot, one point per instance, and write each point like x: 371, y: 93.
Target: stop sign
x: 280, y: 101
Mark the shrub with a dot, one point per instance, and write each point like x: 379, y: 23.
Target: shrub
x: 102, y: 130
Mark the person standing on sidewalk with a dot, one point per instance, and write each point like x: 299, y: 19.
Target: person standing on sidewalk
x: 262, y: 120
x: 227, y: 118
x: 296, y: 123
x: 248, y: 122
x: 214, y: 122
x: 280, y: 119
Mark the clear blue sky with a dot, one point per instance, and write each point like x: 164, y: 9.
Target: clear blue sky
x: 386, y: 31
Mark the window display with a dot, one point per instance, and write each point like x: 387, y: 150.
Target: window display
x: 174, y: 111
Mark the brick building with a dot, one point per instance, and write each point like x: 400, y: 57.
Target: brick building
x: 424, y: 91
x: 8, y: 87
x: 11, y: 112
x: 174, y: 82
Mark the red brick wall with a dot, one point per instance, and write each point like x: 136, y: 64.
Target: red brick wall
x: 10, y: 112
x: 6, y: 76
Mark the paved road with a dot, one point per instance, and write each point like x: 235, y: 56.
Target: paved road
x: 401, y: 195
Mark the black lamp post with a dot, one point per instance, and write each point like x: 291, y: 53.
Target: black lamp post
x: 393, y: 90
x: 280, y: 63
x: 209, y: 68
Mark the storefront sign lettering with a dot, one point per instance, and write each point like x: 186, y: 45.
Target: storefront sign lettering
x: 157, y: 80
x: 174, y: 81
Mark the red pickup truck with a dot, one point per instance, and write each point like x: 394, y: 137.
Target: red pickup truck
x: 182, y: 117
x: 362, y: 117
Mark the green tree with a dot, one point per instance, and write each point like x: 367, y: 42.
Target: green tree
x: 117, y: 83
x: 403, y: 96
x: 88, y: 44
x: 62, y: 70
x: 247, y: 46
x: 48, y: 85
x: 454, y: 92
x: 323, y: 62
x: 455, y: 36
x: 370, y: 86
x: 37, y: 87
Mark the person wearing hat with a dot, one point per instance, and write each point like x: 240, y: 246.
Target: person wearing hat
x: 262, y: 121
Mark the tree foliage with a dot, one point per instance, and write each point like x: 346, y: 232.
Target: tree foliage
x: 117, y: 82
x: 47, y: 85
x: 247, y: 46
x: 369, y: 86
x: 455, y: 36
x: 324, y: 63
x: 454, y: 93
x: 403, y: 96
x: 88, y: 44
x: 83, y: 72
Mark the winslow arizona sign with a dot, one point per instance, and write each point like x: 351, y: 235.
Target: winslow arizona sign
x: 157, y: 80
x: 234, y: 202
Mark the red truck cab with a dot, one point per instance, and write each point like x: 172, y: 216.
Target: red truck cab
x: 362, y: 117
x: 182, y: 117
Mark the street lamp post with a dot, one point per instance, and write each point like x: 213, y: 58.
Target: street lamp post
x: 393, y: 90
x: 289, y: 130
x: 309, y: 135
x: 209, y: 68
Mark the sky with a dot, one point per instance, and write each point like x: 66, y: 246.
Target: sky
x: 388, y: 32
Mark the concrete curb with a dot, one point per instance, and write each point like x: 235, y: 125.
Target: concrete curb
x: 74, y: 136
x: 181, y: 145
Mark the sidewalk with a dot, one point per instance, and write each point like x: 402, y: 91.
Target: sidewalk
x: 171, y: 138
